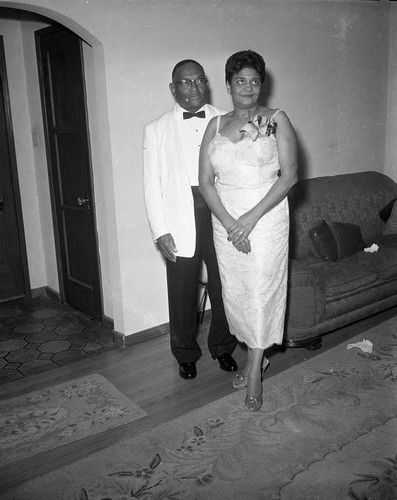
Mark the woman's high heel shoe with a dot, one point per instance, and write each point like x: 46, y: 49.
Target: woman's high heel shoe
x: 253, y: 403
x: 240, y: 380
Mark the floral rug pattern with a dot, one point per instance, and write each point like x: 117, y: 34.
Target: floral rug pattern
x: 327, y: 430
x: 51, y: 417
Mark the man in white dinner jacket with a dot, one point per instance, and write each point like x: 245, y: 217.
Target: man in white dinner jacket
x: 180, y: 220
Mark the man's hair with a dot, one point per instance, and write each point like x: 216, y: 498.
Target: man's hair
x: 245, y: 59
x: 182, y: 63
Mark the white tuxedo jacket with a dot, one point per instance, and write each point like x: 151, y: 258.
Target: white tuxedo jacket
x: 167, y: 189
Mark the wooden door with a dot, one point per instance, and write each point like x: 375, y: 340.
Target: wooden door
x: 14, y: 278
x: 62, y: 85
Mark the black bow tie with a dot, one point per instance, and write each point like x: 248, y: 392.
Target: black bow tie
x: 199, y: 114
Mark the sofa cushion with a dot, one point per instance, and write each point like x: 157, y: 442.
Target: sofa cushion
x: 384, y: 263
x: 345, y: 277
x: 348, y: 238
x: 391, y: 224
x: 331, y: 241
x: 301, y: 275
x: 323, y: 243
x: 387, y: 240
x: 384, y: 214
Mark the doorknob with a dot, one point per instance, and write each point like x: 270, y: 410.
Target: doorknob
x: 1, y: 205
x: 82, y: 201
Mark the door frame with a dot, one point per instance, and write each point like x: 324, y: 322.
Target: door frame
x: 14, y: 172
x: 56, y: 228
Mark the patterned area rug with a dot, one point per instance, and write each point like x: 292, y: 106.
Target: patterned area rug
x: 57, y: 415
x: 327, y: 430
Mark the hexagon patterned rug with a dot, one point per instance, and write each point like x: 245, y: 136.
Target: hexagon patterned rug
x: 59, y: 414
x: 327, y: 431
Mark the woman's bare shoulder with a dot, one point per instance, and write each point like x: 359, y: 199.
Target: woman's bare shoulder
x: 227, y: 117
x: 211, y: 127
x: 268, y: 112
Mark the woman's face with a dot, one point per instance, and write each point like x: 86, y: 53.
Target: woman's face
x: 245, y: 88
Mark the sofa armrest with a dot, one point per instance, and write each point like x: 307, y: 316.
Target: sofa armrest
x: 305, y: 297
x: 301, y: 275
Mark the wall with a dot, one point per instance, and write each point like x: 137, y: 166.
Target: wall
x: 10, y: 29
x: 391, y: 128
x: 18, y: 28
x: 327, y: 65
x: 36, y: 133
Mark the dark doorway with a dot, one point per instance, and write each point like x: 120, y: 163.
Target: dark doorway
x: 62, y: 87
x: 14, y: 276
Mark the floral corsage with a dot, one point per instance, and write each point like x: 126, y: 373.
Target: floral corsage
x: 255, y: 127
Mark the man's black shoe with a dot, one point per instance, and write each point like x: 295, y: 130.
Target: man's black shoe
x: 227, y: 363
x: 188, y: 370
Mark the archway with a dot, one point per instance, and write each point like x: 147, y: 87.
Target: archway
x: 45, y: 273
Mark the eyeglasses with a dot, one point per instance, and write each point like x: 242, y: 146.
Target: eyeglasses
x: 186, y: 84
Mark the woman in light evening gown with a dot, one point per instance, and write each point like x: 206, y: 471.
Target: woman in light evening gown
x: 248, y: 163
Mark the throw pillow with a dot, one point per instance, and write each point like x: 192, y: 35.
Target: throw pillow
x: 322, y: 242
x: 385, y: 213
x: 348, y: 238
x: 391, y: 224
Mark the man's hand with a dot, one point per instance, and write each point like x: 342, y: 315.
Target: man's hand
x: 167, y: 246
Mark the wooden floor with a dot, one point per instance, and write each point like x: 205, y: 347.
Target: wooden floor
x: 148, y: 374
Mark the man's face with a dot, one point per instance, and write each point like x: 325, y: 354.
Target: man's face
x: 190, y: 95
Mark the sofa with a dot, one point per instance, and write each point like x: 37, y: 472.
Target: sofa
x: 343, y: 261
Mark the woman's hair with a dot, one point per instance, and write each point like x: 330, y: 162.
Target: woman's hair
x: 245, y: 59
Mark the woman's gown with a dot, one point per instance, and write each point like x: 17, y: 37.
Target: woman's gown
x: 254, y: 285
